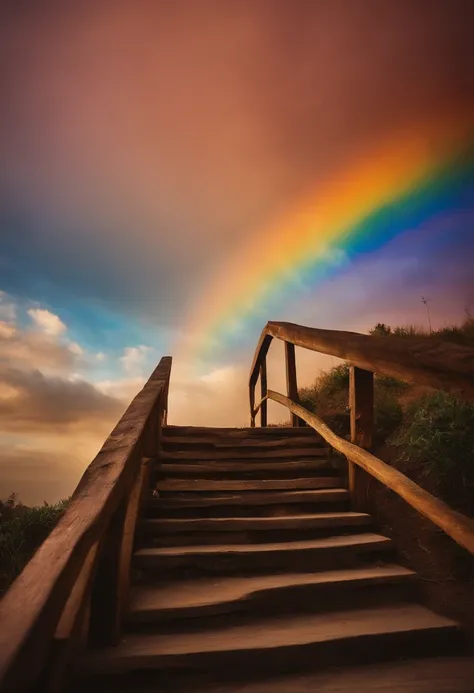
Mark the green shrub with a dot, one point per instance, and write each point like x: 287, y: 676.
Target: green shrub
x: 388, y: 413
x: 22, y: 531
x: 458, y: 334
x: 329, y: 392
x: 438, y: 434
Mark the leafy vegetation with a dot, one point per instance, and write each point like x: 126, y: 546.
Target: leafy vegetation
x: 459, y: 334
x: 438, y: 435
x: 432, y: 431
x: 22, y: 531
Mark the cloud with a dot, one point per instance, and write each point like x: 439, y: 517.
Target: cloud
x: 48, y: 322
x: 133, y: 358
x: 39, y: 403
x: 23, y: 349
x: 75, y: 349
x: 7, y: 308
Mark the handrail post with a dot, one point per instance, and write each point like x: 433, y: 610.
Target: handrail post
x: 361, y: 405
x: 291, y: 382
x: 263, y: 390
x: 252, y: 405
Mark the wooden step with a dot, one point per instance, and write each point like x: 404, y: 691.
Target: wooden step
x: 210, y: 485
x: 268, y: 432
x: 257, y: 524
x: 333, y: 495
x: 235, y: 455
x: 275, y: 468
x: 451, y: 674
x: 314, y: 554
x: 256, y: 504
x: 210, y: 596
x: 318, y: 639
x: 223, y: 442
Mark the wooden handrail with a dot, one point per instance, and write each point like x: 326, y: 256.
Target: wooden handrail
x: 426, y: 361
x: 457, y: 526
x: 47, y: 599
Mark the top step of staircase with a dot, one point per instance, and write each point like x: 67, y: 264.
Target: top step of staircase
x: 268, y: 431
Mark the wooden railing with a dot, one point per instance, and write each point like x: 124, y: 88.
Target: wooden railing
x: 430, y: 362
x: 75, y: 588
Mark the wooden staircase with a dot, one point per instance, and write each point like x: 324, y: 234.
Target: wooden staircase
x: 250, y: 562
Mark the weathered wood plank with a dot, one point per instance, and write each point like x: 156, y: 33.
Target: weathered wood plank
x: 190, y: 598
x: 336, y: 495
x: 263, y: 393
x: 68, y: 635
x: 291, y: 382
x: 244, y: 524
x: 32, y: 608
x: 268, y: 433
x: 361, y: 404
x: 111, y: 585
x: 247, y: 485
x: 235, y: 455
x: 425, y: 361
x: 457, y: 526
x: 211, y: 467
x: 269, y: 644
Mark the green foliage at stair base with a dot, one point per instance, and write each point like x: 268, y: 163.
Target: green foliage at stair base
x: 22, y: 531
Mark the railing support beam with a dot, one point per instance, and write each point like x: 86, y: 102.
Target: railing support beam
x: 291, y: 381
x: 263, y: 390
x: 361, y: 405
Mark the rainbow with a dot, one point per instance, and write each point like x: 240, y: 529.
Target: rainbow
x: 402, y: 183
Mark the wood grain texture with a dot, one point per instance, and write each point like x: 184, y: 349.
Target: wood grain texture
x: 239, y: 467
x: 291, y: 381
x: 32, y: 608
x: 248, y: 484
x: 457, y: 526
x: 426, y: 361
x: 361, y: 405
x: 263, y: 393
x: 336, y: 495
x: 236, y: 455
x: 270, y: 638
x: 236, y: 524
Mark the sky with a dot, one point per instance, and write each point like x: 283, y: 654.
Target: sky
x: 176, y: 173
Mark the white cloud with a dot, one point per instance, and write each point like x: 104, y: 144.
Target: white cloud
x: 7, y: 330
x: 75, y: 349
x: 7, y: 308
x: 133, y: 358
x: 100, y: 356
x: 124, y: 390
x: 48, y: 322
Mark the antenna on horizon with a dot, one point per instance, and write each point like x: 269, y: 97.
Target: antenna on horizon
x: 425, y: 301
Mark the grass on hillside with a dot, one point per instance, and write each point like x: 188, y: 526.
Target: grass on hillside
x: 458, y: 334
x: 22, y: 531
x: 432, y: 430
